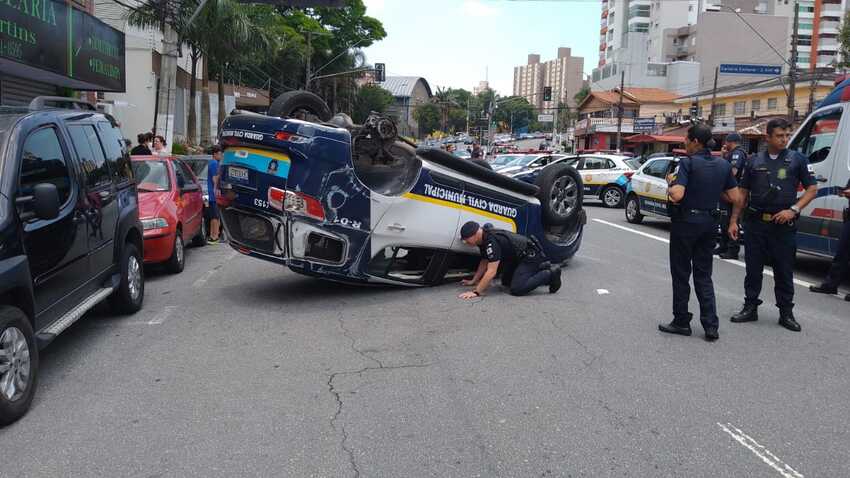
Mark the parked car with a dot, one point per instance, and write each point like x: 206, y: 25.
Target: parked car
x: 463, y: 154
x: 606, y: 177
x: 529, y: 162
x: 70, y: 235
x: 531, y: 171
x: 171, y: 207
x: 355, y: 203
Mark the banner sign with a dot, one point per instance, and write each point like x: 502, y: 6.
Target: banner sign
x: 52, y: 36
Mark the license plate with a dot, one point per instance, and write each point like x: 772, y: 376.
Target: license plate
x: 240, y: 174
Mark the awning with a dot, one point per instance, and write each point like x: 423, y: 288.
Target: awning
x: 655, y: 138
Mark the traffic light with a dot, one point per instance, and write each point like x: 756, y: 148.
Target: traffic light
x: 380, y: 72
x: 547, y: 93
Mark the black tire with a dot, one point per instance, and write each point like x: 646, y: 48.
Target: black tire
x: 561, y: 194
x: 483, y: 163
x: 291, y: 102
x: 200, y: 239
x: 612, y: 196
x: 177, y: 261
x: 128, y: 297
x: 14, y: 321
x: 633, y: 214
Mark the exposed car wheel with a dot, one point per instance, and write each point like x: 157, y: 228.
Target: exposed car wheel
x: 128, y: 297
x: 633, y: 214
x: 561, y: 194
x: 612, y: 196
x: 200, y: 240
x: 177, y: 261
x: 298, y: 103
x: 18, y: 364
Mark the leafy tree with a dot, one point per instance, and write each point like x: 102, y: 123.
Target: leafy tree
x: 582, y: 94
x: 371, y: 98
x: 516, y: 111
x: 844, y: 42
x: 428, y: 118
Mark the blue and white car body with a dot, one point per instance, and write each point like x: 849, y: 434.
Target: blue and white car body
x: 304, y: 195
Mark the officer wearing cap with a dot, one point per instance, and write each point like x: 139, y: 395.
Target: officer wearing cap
x: 769, y: 193
x: 518, y: 258
x: 695, y: 189
x: 728, y: 248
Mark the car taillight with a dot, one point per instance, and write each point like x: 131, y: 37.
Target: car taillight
x: 291, y: 137
x: 276, y: 198
x: 296, y: 203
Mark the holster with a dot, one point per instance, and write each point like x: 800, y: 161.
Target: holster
x: 846, y: 214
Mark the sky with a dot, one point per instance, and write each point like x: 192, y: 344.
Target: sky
x: 456, y: 43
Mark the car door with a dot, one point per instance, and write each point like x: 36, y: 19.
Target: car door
x: 820, y: 223
x: 592, y: 172
x: 56, y: 248
x: 192, y: 198
x: 653, y: 193
x: 100, y: 196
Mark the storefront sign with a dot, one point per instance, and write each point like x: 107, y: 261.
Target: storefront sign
x: 644, y: 125
x: 52, y: 36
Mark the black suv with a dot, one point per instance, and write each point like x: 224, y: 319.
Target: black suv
x: 70, y: 234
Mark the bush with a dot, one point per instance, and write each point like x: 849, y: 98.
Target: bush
x: 179, y: 148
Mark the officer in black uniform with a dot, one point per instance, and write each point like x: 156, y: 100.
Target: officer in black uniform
x: 728, y: 248
x: 695, y: 190
x: 769, y: 193
x: 841, y: 261
x: 519, y: 259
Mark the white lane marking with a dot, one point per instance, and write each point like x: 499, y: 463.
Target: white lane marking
x: 602, y: 291
x: 767, y: 270
x: 760, y: 451
x: 159, y: 318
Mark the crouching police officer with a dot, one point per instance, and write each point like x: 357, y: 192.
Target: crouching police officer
x: 727, y: 247
x: 519, y: 259
x: 769, y: 193
x: 696, y: 189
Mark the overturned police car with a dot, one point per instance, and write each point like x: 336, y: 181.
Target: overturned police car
x: 358, y: 203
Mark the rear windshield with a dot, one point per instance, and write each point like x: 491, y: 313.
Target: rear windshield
x: 151, y: 176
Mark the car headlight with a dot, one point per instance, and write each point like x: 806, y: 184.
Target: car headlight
x: 154, y: 223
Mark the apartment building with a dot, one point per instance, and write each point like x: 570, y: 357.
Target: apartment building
x: 564, y: 75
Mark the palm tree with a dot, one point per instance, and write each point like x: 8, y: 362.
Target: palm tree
x: 445, y: 99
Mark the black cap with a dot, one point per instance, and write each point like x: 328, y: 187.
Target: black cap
x: 734, y: 138
x: 469, y: 229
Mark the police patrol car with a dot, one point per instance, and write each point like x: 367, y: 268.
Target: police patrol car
x: 646, y: 191
x: 605, y: 176
x: 355, y: 203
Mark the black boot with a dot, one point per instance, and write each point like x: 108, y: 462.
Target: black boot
x: 787, y: 320
x: 677, y: 326
x: 823, y: 289
x: 749, y: 313
x: 555, y: 279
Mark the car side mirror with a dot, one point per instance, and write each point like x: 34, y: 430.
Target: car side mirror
x: 43, y: 204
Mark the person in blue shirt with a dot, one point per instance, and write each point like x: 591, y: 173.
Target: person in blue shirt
x: 737, y: 157
x: 696, y: 188
x: 769, y: 192
x: 212, y: 186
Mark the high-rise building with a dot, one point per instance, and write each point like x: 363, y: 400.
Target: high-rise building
x: 482, y: 87
x: 817, y: 33
x: 564, y: 75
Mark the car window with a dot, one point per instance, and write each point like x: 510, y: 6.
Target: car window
x: 43, y: 161
x: 182, y: 179
x: 199, y: 166
x: 116, y: 152
x: 591, y: 162
x: 91, y: 155
x: 632, y: 163
x: 817, y: 136
x: 610, y: 165
x: 657, y: 168
x: 186, y: 170
x: 151, y: 176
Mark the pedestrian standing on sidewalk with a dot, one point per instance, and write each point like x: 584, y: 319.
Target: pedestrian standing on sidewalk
x: 159, y: 145
x: 769, y: 192
x: 141, y: 149
x: 695, y: 190
x: 728, y: 248
x: 212, y: 187
x: 476, y: 150
x: 841, y: 262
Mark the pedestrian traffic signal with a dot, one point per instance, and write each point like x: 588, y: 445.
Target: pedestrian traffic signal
x: 380, y: 72
x: 547, y: 93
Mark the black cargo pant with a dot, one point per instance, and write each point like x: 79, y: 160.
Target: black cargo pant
x: 691, y: 248
x: 724, y: 242
x: 841, y: 261
x: 526, y: 276
x: 777, y: 243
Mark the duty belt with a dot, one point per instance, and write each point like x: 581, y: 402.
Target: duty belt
x: 703, y: 212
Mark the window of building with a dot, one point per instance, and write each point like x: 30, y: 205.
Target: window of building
x: 720, y: 109
x: 740, y: 108
x: 639, y: 11
x: 639, y: 27
x: 756, y: 105
x: 690, y: 8
x: 771, y: 103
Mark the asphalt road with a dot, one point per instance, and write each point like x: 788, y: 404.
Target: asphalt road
x: 237, y: 367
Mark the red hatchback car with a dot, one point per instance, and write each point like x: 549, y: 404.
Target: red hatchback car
x: 171, y: 208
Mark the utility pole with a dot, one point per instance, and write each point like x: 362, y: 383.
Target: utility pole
x: 620, y: 110
x: 167, y: 79
x: 792, y: 73
x: 713, y: 97
x: 309, y: 57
